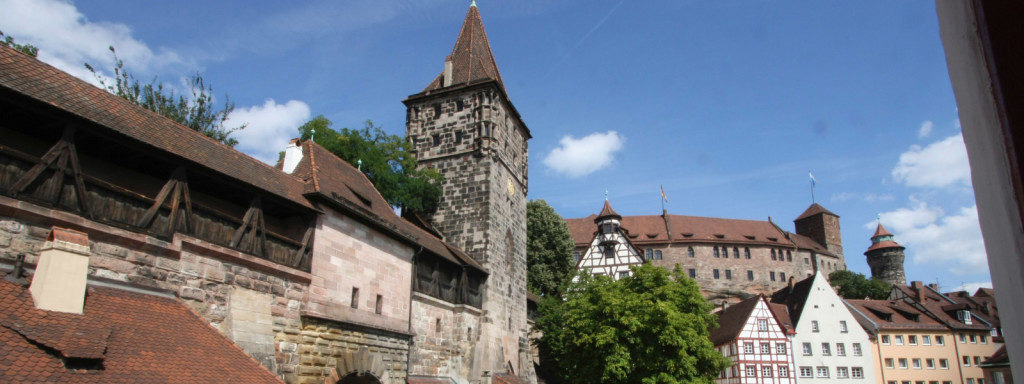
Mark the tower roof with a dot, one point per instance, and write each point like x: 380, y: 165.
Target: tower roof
x: 881, y: 231
x: 882, y: 239
x: 607, y: 211
x: 471, y: 59
x: 814, y: 209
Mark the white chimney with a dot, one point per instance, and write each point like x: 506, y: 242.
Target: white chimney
x: 60, y: 277
x: 292, y: 156
x: 447, y: 78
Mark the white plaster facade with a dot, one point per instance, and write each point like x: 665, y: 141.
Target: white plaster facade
x: 614, y: 262
x: 840, y: 350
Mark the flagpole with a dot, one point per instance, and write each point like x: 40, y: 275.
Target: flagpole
x: 812, y: 191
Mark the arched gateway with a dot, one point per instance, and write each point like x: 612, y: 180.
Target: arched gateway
x: 359, y: 367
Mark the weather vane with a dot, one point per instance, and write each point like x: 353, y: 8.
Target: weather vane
x: 605, y: 191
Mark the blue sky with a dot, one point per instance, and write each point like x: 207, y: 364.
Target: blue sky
x: 728, y: 104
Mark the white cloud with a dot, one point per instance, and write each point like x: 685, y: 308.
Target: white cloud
x: 866, y: 197
x: 933, y: 237
x: 926, y: 129
x: 580, y: 157
x: 270, y: 127
x: 973, y: 287
x: 940, y: 164
x: 67, y: 39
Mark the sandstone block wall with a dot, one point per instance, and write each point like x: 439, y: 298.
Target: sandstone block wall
x: 445, y: 339
x: 321, y: 343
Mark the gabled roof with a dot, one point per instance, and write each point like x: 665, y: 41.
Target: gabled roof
x: 472, y: 60
x: 814, y: 209
x: 334, y: 180
x: 121, y: 337
x: 24, y: 75
x: 794, y: 298
x: 894, y: 315
x: 998, y: 359
x: 732, y: 320
x: 781, y: 313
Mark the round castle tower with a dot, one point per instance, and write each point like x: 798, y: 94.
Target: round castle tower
x: 885, y: 257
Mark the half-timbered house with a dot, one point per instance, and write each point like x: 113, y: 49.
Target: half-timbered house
x: 755, y: 336
x: 610, y: 252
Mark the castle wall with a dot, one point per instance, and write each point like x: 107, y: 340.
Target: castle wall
x: 445, y: 337
x: 887, y: 264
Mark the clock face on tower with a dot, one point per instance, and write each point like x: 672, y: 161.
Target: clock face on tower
x: 511, y: 187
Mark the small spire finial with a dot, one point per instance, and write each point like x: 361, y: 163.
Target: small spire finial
x: 606, y: 195
x: 359, y: 165
x: 473, y: 4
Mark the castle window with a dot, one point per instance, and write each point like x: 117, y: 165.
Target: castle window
x: 716, y: 274
x: 725, y: 252
x: 380, y: 304
x: 782, y: 276
x: 689, y: 251
x: 789, y: 256
x: 693, y: 273
x: 773, y: 254
x: 458, y: 137
x: 728, y: 274
x: 459, y: 105
x: 437, y: 110
x: 436, y: 139
x: 746, y: 252
x: 807, y: 261
x: 649, y: 254
x: 657, y: 255
x: 735, y: 252
x: 355, y: 297
x: 750, y: 275
x: 576, y: 255
x: 716, y: 253
x: 771, y: 275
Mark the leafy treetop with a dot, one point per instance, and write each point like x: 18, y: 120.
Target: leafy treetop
x: 27, y: 49
x: 852, y: 285
x: 549, y: 247
x: 385, y: 159
x: 650, y: 327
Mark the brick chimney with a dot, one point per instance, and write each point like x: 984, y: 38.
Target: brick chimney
x: 918, y: 288
x: 60, y: 277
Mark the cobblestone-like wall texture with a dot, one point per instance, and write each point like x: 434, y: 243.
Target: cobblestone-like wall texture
x: 445, y: 338
x: 322, y: 343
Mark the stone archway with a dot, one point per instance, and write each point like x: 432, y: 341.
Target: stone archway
x: 359, y: 367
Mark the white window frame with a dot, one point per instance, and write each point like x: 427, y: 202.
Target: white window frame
x: 819, y: 370
x: 807, y: 349
x: 857, y: 351
x: 857, y: 372
x: 842, y: 326
x: 840, y: 349
x: 806, y: 372
x: 842, y: 372
x: 814, y: 326
x: 748, y: 347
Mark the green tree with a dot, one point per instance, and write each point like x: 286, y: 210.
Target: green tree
x: 196, y: 112
x: 385, y: 159
x: 651, y: 327
x: 852, y: 285
x: 549, y: 248
x: 27, y: 49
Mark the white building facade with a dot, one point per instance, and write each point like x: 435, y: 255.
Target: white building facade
x: 610, y: 252
x: 752, y: 337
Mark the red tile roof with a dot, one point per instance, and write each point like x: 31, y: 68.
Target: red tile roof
x: 731, y: 321
x: 472, y: 60
x: 894, y: 315
x: 781, y: 313
x: 814, y: 209
x: 794, y: 298
x: 881, y: 231
x: 34, y: 79
x: 883, y: 245
x: 122, y: 337
x: 329, y: 177
x: 505, y: 378
x: 607, y: 211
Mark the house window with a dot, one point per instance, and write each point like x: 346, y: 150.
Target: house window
x: 783, y: 371
x: 977, y: 360
x: 889, y: 362
x: 939, y: 340
x: 912, y: 339
x: 943, y: 363
x: 746, y: 252
x: 858, y: 372
x: 822, y: 371
x: 609, y: 251
x: 751, y: 370
x: 355, y: 297
x: 885, y: 339
x: 929, y: 363
x: 771, y: 275
x: 983, y: 339
x: 728, y: 274
x: 899, y: 339
x: 748, y: 348
x: 576, y: 255
x: 649, y: 253
x: 780, y: 348
x: 689, y: 251
x: 807, y: 349
x: 378, y: 307
x: 963, y: 338
x: 766, y: 349
x: 693, y: 273
x: 840, y: 349
x: 842, y: 372
x: 657, y: 255
x: 716, y: 274
x: 973, y: 339
x: 842, y: 326
x: 762, y: 324
x: 814, y: 325
x: 926, y: 340
x: 716, y: 253
x: 826, y: 350
x: 789, y: 256
x: 623, y: 274
x: 903, y: 363
x: 806, y: 372
x: 782, y: 276
x: 856, y: 349
x: 735, y: 252
x: 766, y: 371
x: 916, y: 363
x: 750, y: 275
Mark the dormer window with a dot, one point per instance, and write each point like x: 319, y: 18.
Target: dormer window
x: 964, y: 316
x: 607, y: 228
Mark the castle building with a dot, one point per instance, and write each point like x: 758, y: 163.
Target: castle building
x: 755, y: 335
x: 885, y: 257
x: 304, y: 266
x: 727, y: 257
x: 610, y: 253
x: 464, y: 126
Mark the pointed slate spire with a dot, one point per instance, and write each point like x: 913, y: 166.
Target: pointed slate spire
x: 471, y: 60
x: 607, y: 212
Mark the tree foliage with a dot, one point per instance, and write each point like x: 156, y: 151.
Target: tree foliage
x: 549, y: 248
x: 651, y: 327
x: 197, y: 112
x: 27, y: 49
x: 385, y: 159
x: 852, y: 285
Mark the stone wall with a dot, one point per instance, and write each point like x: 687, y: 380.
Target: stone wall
x: 322, y: 343
x: 445, y: 339
x: 887, y: 264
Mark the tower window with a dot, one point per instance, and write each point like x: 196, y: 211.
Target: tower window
x: 458, y: 137
x: 773, y: 255
x: 771, y: 275
x: 728, y: 274
x: 437, y: 139
x: 716, y: 274
x: 750, y: 275
x: 355, y: 297
x: 459, y: 105
x: 380, y: 304
x: 437, y: 110
x: 789, y: 256
x: 689, y: 251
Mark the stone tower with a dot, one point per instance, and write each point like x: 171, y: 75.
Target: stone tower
x: 822, y: 225
x: 464, y: 126
x: 885, y: 257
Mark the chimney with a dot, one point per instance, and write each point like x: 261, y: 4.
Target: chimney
x: 918, y: 288
x: 292, y: 156
x: 792, y: 283
x: 446, y: 78
x: 60, y: 277
x: 934, y: 286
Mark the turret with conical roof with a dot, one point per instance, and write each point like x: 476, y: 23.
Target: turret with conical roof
x: 885, y: 257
